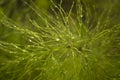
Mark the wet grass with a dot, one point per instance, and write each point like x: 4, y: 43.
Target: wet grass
x: 61, y: 47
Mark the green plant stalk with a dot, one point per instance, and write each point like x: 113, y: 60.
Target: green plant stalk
x: 60, y: 48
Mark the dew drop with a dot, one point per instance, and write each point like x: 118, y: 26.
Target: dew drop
x: 24, y: 50
x: 57, y: 17
x: 55, y: 6
x: 73, y: 37
x: 57, y: 39
x: 35, y: 59
x: 14, y: 26
x: 32, y: 37
x: 53, y: 58
x: 10, y: 52
x: 81, y: 16
x: 22, y: 58
x: 65, y: 72
x: 30, y: 40
x: 28, y: 46
x: 16, y: 46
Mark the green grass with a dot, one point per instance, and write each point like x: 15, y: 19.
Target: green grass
x: 61, y: 47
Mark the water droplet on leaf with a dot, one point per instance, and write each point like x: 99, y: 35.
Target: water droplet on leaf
x: 57, y: 39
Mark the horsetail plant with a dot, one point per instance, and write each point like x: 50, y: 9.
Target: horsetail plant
x: 61, y: 47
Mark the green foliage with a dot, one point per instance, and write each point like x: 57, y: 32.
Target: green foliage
x: 18, y: 10
x: 61, y: 47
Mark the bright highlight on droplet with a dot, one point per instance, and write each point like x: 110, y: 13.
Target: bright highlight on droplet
x: 30, y: 40
x: 73, y: 37
x: 57, y: 39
